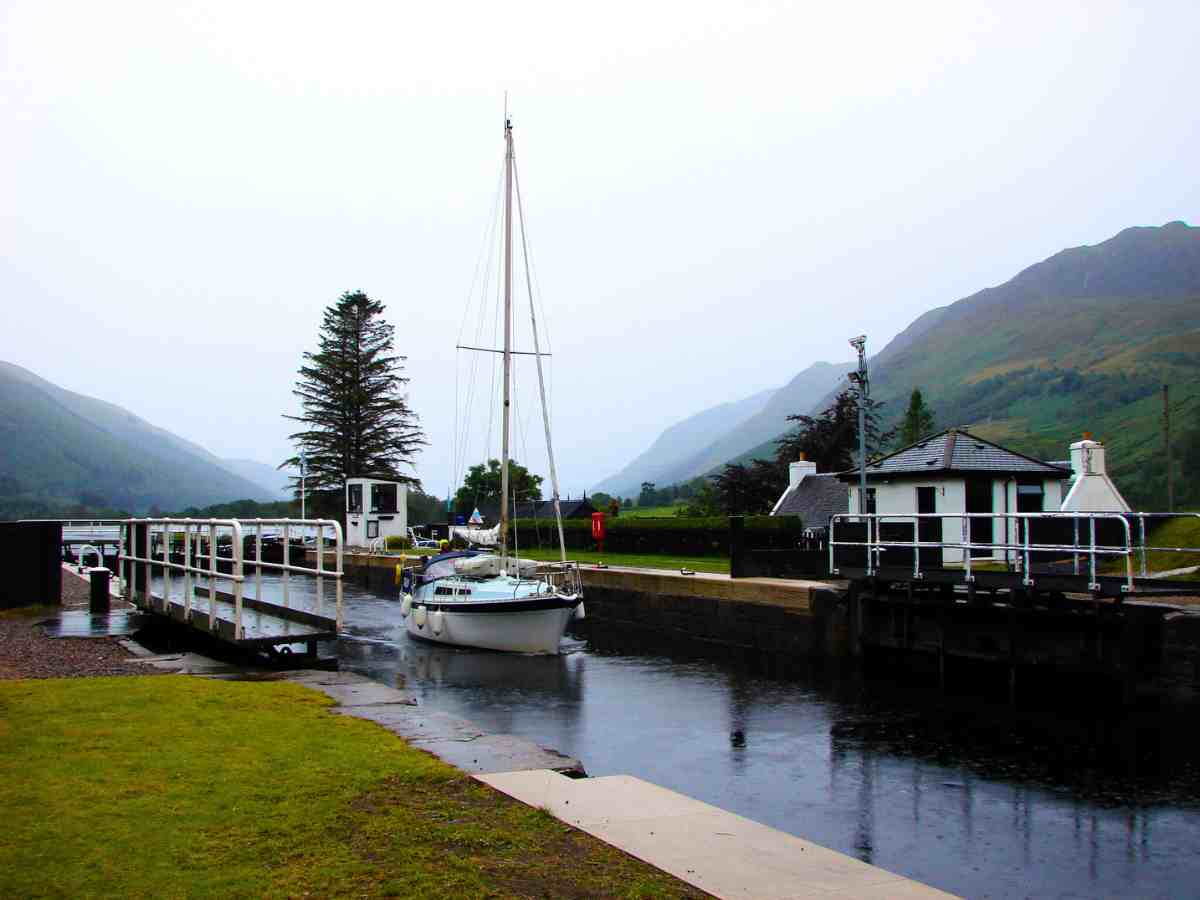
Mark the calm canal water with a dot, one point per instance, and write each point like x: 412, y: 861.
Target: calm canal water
x: 968, y: 797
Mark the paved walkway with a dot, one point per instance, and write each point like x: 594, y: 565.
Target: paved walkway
x: 714, y: 850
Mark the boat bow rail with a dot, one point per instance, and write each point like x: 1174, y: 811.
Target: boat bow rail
x: 215, y: 550
x: 563, y: 577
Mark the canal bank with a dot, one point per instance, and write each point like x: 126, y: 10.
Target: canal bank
x: 1020, y: 646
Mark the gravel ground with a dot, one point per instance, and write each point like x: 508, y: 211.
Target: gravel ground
x: 26, y: 651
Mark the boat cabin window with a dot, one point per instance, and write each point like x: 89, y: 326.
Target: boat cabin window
x: 354, y: 498
x: 450, y: 591
x: 383, y: 498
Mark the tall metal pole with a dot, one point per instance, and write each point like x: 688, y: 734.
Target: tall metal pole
x: 508, y: 174
x: 860, y: 344
x: 1167, y: 446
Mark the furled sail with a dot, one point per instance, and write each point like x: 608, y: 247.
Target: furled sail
x: 480, y: 537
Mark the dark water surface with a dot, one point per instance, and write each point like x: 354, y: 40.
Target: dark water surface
x: 968, y: 797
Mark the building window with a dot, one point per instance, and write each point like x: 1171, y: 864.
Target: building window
x: 372, y: 529
x: 354, y: 498
x: 1031, y: 495
x: 383, y: 498
x: 870, y: 500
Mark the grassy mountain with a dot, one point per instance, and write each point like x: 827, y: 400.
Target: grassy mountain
x: 63, y: 453
x: 1081, y: 341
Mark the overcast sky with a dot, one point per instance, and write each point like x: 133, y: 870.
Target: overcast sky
x: 717, y: 194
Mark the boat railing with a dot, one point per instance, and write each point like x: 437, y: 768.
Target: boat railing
x: 563, y: 577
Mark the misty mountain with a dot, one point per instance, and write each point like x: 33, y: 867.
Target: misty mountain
x: 679, y: 441
x: 63, y: 453
x: 707, y: 439
x: 274, y: 481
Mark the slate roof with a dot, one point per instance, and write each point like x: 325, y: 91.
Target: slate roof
x: 814, y: 500
x: 957, y: 451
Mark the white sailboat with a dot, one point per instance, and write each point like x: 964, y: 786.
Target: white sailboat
x: 492, y: 600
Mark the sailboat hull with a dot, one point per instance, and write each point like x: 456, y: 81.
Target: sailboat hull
x: 517, y: 631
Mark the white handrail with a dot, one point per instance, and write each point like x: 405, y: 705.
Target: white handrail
x: 875, y: 545
x: 194, y: 558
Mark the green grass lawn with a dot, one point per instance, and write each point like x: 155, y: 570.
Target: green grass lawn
x: 649, y: 512
x: 177, y: 786
x: 637, y: 560
x: 1182, y: 532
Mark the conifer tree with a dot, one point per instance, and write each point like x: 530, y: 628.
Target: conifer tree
x: 830, y: 439
x: 918, y: 420
x: 356, y: 419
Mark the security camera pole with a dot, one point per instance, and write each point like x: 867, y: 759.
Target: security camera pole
x: 863, y: 386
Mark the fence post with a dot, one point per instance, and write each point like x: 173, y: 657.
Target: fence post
x: 737, y: 546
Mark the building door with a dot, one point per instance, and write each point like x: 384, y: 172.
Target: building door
x: 928, y: 529
x: 979, y: 500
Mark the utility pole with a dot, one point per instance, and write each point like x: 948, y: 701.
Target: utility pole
x: 1167, y: 446
x: 863, y: 385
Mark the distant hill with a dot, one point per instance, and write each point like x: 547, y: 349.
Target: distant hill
x: 1081, y: 341
x: 274, y: 481
x: 63, y: 453
x: 707, y: 439
x: 662, y: 460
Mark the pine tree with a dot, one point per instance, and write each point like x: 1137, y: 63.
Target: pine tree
x: 918, y: 420
x: 830, y: 439
x: 356, y: 417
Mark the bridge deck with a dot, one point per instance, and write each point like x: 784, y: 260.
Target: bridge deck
x: 264, y: 624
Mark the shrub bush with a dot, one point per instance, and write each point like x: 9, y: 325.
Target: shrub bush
x: 670, y: 535
x: 397, y: 542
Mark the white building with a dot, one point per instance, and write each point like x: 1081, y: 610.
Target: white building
x: 958, y: 472
x: 375, y: 509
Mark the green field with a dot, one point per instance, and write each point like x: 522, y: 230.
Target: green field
x: 650, y: 512
x: 715, y: 564
x: 174, y: 786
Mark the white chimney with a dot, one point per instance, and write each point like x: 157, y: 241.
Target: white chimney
x: 1087, y: 457
x: 1091, y: 488
x: 799, y: 470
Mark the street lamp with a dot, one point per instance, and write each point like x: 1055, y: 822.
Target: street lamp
x: 862, y: 386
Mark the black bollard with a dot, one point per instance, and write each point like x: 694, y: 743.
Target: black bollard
x: 99, y: 596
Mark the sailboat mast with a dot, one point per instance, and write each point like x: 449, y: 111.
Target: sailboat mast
x: 537, y: 354
x: 508, y: 180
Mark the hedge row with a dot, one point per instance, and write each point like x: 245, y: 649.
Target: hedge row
x: 676, y: 536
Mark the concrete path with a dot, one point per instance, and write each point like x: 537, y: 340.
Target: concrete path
x: 714, y: 850
x: 457, y: 741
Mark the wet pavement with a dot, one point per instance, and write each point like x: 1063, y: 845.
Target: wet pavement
x: 957, y: 793
x: 81, y: 623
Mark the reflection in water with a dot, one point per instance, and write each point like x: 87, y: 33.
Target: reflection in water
x: 970, y: 798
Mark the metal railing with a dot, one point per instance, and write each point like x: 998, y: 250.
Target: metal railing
x: 1144, y: 550
x: 286, y: 567
x: 201, y: 542
x: 1022, y: 549
x: 562, y: 577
